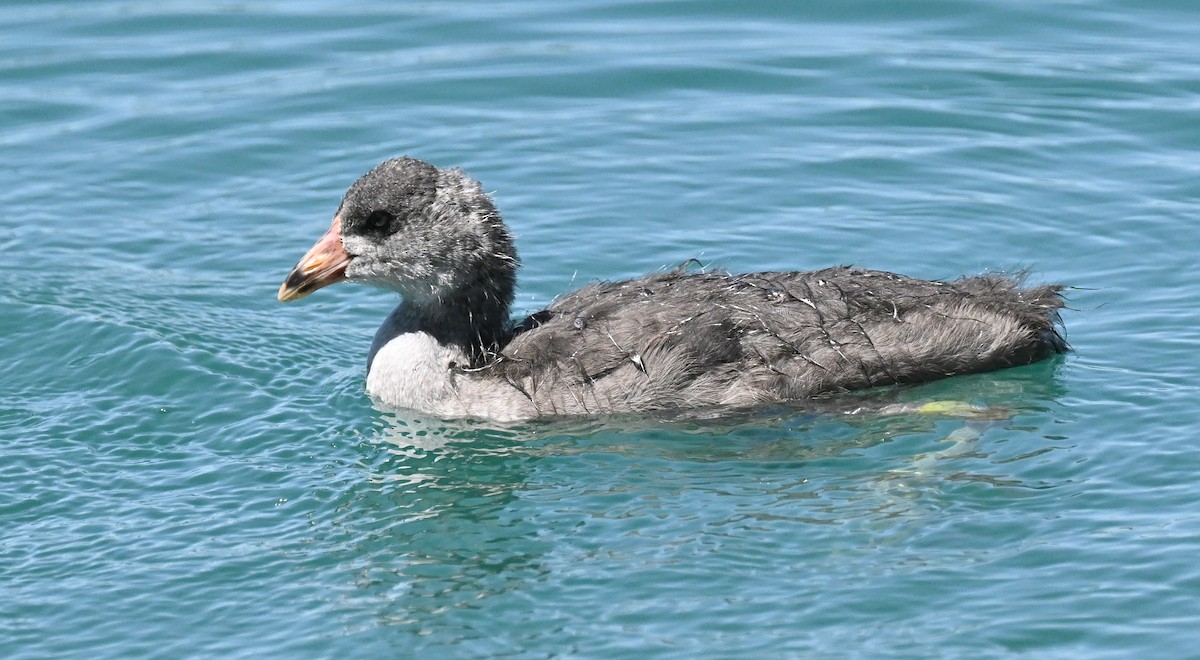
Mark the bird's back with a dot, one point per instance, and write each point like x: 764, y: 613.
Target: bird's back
x: 689, y: 340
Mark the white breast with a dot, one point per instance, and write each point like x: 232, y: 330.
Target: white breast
x: 412, y: 370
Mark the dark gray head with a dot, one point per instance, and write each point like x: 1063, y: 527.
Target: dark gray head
x: 432, y: 235
x: 425, y: 232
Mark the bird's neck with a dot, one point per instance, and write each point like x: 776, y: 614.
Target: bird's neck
x: 416, y: 364
x: 473, y: 324
x: 470, y: 313
x: 420, y: 347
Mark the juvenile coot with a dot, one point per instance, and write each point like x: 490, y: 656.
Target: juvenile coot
x: 667, y: 341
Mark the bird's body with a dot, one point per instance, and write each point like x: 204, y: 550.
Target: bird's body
x: 668, y: 341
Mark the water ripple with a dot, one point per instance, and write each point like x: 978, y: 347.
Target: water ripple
x: 191, y: 468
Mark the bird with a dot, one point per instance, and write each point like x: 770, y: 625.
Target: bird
x: 674, y: 342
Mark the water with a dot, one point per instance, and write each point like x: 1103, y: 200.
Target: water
x: 190, y: 468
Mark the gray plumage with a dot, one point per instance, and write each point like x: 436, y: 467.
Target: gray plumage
x: 668, y: 341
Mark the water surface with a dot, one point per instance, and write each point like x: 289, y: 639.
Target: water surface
x: 192, y: 469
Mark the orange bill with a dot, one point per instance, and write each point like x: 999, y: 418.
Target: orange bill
x: 324, y: 264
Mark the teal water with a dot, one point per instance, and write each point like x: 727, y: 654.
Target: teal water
x: 190, y: 468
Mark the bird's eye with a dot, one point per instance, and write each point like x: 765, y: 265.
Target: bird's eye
x: 379, y: 219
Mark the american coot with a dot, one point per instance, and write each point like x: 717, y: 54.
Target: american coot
x: 667, y: 341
